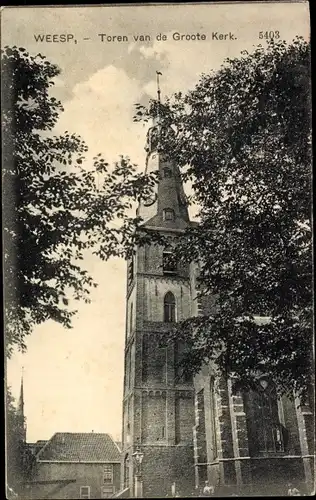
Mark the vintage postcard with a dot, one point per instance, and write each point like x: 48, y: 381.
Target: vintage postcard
x: 156, y: 174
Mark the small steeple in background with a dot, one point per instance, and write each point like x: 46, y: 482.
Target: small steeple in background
x: 20, y: 410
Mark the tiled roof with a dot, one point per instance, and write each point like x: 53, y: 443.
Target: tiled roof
x: 80, y: 447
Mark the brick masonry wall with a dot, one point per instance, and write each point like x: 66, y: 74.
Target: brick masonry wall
x: 84, y: 474
x: 184, y: 413
x: 277, y: 471
x: 154, y: 417
x: 164, y: 465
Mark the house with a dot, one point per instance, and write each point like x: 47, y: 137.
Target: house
x: 76, y: 466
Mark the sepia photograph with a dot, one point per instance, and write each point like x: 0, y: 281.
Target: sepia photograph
x: 157, y: 250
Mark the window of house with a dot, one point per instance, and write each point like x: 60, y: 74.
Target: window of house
x: 108, y: 473
x: 168, y: 214
x: 167, y: 172
x: 84, y: 491
x: 169, y: 308
x: 168, y: 264
x: 107, y: 491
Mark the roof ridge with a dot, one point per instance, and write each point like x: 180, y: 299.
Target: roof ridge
x: 82, y: 446
x: 95, y: 433
x: 45, y: 445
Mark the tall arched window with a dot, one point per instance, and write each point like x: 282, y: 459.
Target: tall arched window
x: 169, y: 308
x: 266, y: 434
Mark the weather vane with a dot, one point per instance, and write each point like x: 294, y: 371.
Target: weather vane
x: 159, y: 101
x: 158, y: 85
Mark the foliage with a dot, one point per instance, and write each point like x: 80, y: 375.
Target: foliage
x: 55, y: 208
x: 243, y: 137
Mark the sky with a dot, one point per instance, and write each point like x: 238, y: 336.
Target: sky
x: 73, y: 379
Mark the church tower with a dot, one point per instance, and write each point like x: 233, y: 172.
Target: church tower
x: 158, y: 402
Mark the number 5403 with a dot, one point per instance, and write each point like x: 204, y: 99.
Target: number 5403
x: 269, y: 34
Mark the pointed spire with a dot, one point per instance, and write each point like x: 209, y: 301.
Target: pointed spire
x: 167, y: 207
x: 20, y: 410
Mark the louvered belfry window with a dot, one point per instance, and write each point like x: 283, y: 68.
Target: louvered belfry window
x: 168, y: 214
x: 167, y: 172
x: 168, y: 263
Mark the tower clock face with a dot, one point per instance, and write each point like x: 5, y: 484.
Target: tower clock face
x: 150, y: 200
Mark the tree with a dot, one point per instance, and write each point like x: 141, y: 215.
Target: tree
x: 243, y: 138
x: 53, y: 208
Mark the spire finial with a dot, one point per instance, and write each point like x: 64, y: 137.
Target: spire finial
x: 158, y: 73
